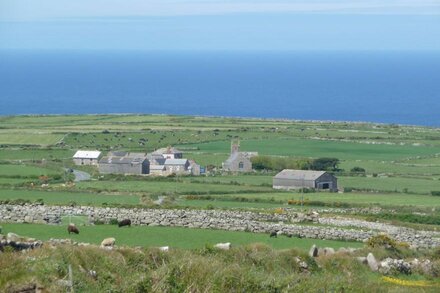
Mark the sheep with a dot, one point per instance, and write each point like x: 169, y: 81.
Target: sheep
x: 125, y: 222
x: 72, y: 229
x: 223, y: 246
x: 273, y: 234
x: 108, y: 242
x: 164, y: 248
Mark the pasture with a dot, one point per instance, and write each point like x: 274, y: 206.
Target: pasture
x: 65, y: 197
x: 166, y: 236
x: 22, y: 170
x: 313, y: 148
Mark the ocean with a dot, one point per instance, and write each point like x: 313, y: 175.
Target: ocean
x: 387, y: 87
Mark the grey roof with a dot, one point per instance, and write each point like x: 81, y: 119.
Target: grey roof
x: 299, y: 174
x: 176, y: 161
x: 121, y: 160
x: 157, y: 167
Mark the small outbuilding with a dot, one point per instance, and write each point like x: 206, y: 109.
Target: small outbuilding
x: 82, y: 157
x: 296, y: 179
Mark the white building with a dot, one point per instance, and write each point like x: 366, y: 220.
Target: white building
x: 86, y: 157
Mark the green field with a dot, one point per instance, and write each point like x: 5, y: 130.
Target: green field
x: 169, y: 187
x: 166, y: 236
x: 393, y: 199
x: 63, y: 197
x: 42, y: 139
x: 320, y: 148
x: 24, y: 171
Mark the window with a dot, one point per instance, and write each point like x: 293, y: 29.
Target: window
x: 240, y: 165
x: 325, y: 186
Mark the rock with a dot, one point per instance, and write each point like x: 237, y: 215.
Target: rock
x: 372, y: 263
x: 362, y: 260
x: 329, y: 251
x: 13, y: 237
x: 313, y: 252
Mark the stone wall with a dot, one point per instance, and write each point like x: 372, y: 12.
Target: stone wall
x: 210, y: 219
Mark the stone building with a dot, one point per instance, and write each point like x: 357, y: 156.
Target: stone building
x: 238, y: 161
x: 295, y: 179
x: 169, y: 153
x: 176, y: 166
x: 86, y: 157
x: 124, y: 163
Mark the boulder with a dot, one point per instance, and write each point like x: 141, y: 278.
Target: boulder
x: 362, y: 260
x: 372, y: 263
x: 13, y: 237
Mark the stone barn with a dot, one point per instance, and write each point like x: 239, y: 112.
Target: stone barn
x: 296, y: 179
x: 124, y: 163
x: 86, y: 157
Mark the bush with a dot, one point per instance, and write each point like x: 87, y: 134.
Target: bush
x: 435, y: 193
x: 357, y: 170
x: 113, y: 221
x: 383, y: 241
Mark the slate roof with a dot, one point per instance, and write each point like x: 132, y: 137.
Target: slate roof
x: 86, y: 154
x: 299, y: 174
x: 176, y: 161
x: 122, y: 160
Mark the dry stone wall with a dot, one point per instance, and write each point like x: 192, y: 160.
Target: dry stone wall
x: 206, y: 219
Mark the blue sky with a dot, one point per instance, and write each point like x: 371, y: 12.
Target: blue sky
x: 220, y: 24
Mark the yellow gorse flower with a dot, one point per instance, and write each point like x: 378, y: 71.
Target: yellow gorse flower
x: 420, y: 283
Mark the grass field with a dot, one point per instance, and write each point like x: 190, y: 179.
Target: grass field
x: 35, y: 154
x: 42, y: 139
x: 393, y: 199
x: 62, y: 197
x: 393, y: 184
x: 166, y: 236
x: 169, y: 187
x: 320, y: 148
x: 25, y: 171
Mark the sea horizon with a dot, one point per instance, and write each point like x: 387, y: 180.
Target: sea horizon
x: 335, y: 86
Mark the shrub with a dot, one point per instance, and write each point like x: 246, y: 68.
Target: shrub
x: 382, y: 240
x: 113, y: 221
x: 435, y: 193
x: 357, y: 170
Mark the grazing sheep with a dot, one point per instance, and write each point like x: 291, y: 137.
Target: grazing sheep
x: 125, y: 222
x: 72, y: 229
x: 108, y: 242
x: 164, y: 248
x: 273, y: 234
x: 223, y: 246
x: 279, y: 233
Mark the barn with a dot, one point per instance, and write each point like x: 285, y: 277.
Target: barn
x: 124, y: 163
x: 295, y: 179
x: 82, y: 157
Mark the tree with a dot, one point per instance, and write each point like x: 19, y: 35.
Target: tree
x: 327, y: 164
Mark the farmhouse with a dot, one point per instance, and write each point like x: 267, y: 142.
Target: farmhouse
x: 124, y: 163
x: 169, y: 153
x: 86, y: 157
x: 238, y: 161
x: 295, y: 179
x: 176, y: 166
